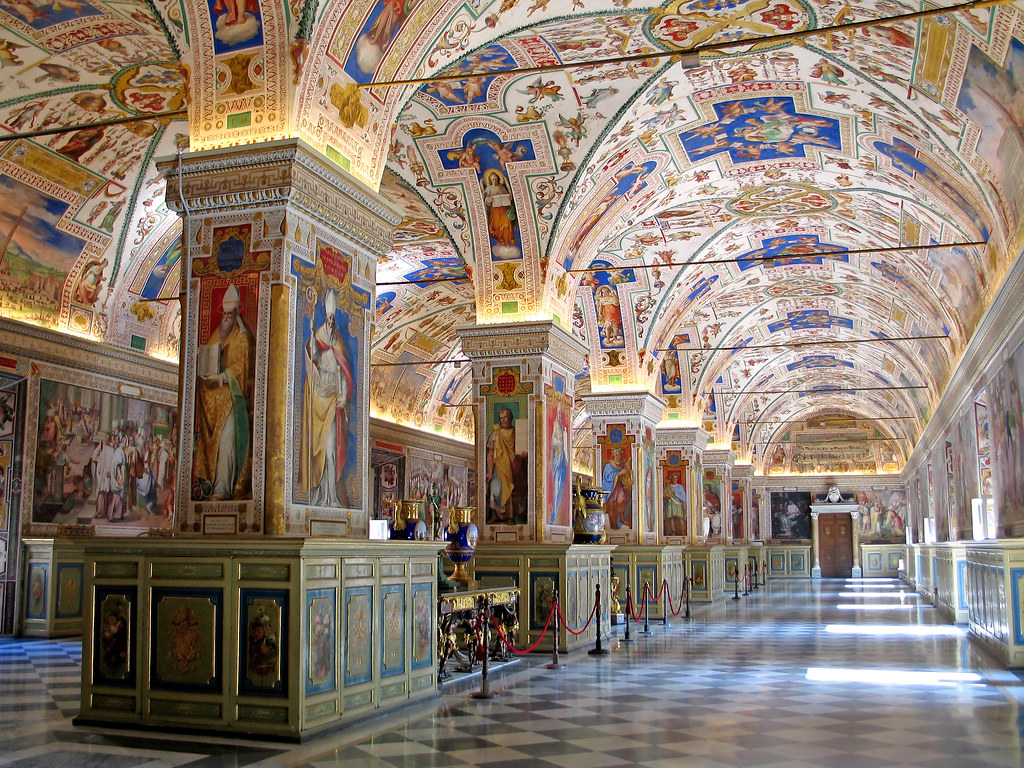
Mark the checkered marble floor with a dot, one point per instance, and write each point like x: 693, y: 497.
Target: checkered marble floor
x: 799, y: 674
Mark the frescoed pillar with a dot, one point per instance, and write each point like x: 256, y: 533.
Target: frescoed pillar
x: 741, y: 523
x: 625, y: 466
x: 280, y: 253
x: 816, y: 545
x: 715, y: 489
x: 678, y: 452
x: 523, y: 378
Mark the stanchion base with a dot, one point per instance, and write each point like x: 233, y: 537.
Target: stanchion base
x: 482, y: 695
x: 598, y: 652
x: 554, y: 666
x: 735, y: 597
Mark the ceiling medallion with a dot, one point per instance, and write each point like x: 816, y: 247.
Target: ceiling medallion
x: 799, y: 287
x: 785, y: 199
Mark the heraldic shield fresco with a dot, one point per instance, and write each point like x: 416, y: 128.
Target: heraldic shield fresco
x: 782, y: 227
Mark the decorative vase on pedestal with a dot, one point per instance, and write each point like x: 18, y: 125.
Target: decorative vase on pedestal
x: 589, y: 518
x: 462, y: 543
x: 409, y: 524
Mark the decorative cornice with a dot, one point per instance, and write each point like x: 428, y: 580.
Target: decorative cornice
x: 536, y: 337
x: 723, y: 457
x: 43, y: 345
x: 846, y: 483
x: 646, y: 406
x: 278, y: 173
x: 742, y: 471
x: 408, y: 437
x: 682, y: 437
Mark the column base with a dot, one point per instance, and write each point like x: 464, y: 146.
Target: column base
x: 816, y: 572
x: 856, y: 573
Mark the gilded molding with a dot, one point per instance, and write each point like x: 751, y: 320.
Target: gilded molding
x: 693, y: 438
x: 506, y: 340
x: 645, y: 406
x: 415, y: 438
x: 43, y: 345
x: 277, y: 173
x: 722, y: 457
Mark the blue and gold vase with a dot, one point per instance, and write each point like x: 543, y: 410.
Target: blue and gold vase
x: 589, y: 520
x: 462, y: 543
x: 409, y: 524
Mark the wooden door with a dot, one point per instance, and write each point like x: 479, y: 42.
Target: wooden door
x: 835, y: 538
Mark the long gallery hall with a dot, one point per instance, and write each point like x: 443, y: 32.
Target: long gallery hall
x: 857, y: 673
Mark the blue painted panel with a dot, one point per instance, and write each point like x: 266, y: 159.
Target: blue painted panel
x: 1016, y: 577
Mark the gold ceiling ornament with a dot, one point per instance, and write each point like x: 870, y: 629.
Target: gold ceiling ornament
x: 351, y: 110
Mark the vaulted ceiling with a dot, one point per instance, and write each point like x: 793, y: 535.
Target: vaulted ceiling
x: 788, y: 233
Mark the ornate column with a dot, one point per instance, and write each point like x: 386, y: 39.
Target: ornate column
x: 815, y: 546
x: 679, y: 453
x: 624, y: 464
x: 280, y: 252
x: 716, y: 486
x: 523, y: 377
x: 741, y: 526
x: 856, y: 572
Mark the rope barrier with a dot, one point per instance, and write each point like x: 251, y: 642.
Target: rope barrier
x: 687, y: 582
x: 668, y: 596
x: 593, y: 612
x: 554, y: 606
x: 643, y: 605
x: 486, y: 619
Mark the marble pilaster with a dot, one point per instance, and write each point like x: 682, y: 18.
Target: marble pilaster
x: 679, y: 451
x: 716, y: 488
x: 523, y: 376
x: 624, y: 429
x: 280, y: 249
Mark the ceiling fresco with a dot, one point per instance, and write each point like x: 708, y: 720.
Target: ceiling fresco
x: 790, y: 234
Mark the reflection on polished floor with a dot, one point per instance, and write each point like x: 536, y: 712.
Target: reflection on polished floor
x: 843, y: 674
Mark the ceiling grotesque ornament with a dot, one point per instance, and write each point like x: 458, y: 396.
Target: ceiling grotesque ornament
x: 238, y: 66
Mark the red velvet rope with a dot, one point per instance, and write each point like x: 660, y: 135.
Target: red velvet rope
x: 643, y: 606
x: 494, y: 621
x: 593, y: 612
x: 664, y: 588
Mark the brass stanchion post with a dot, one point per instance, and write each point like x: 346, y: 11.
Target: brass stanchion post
x: 629, y: 612
x: 597, y: 650
x: 665, y: 602
x: 484, y: 692
x: 554, y: 663
x: 686, y: 587
x: 647, y: 610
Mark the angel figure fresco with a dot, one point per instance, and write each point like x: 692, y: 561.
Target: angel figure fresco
x: 374, y: 42
x: 236, y: 20
x: 501, y: 215
x: 539, y: 89
x: 609, y: 316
